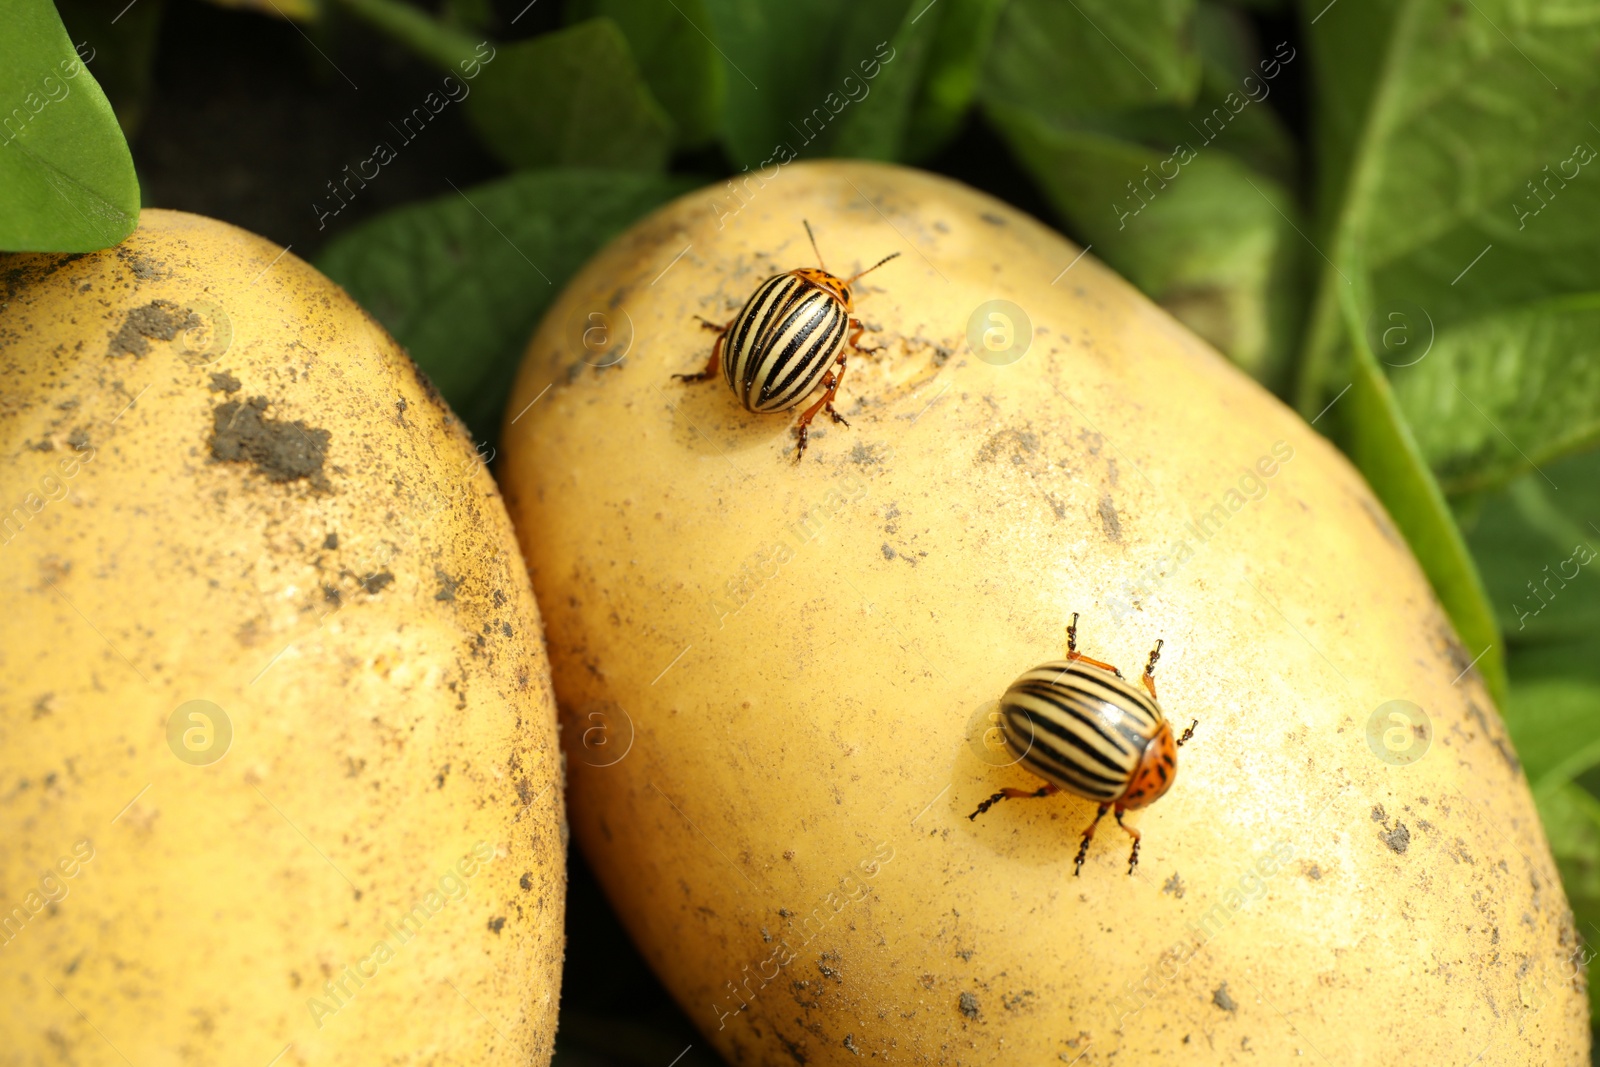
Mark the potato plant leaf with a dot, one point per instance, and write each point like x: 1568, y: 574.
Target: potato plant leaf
x: 678, y: 61
x: 786, y: 68
x: 462, y: 280
x: 1378, y: 440
x: 1421, y: 168
x: 1192, y: 204
x: 1504, y: 392
x: 66, y: 177
x: 1459, y: 158
x: 1065, y: 60
x: 571, y: 98
x: 1537, y: 543
x: 961, y: 43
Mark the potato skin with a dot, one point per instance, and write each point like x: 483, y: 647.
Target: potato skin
x: 800, y: 658
x: 334, y: 569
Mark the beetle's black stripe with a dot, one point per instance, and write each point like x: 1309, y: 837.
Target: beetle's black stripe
x: 1079, y: 727
x: 780, y: 346
x: 770, y: 299
x: 1069, y: 775
x: 796, y: 352
x: 1089, y: 714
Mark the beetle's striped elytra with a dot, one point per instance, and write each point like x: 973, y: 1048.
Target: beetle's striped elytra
x: 1079, y: 725
x: 791, y: 336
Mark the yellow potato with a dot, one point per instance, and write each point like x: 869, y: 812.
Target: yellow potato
x: 277, y: 740
x: 803, y: 659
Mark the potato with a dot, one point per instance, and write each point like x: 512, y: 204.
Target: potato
x: 776, y: 678
x: 277, y: 740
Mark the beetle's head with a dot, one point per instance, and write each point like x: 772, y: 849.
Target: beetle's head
x: 1153, y: 776
x: 823, y: 280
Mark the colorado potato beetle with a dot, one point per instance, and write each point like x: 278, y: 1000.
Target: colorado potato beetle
x: 1081, y: 727
x: 789, y: 338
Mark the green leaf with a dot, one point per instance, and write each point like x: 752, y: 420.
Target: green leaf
x: 1192, y: 204
x: 1065, y: 60
x: 1379, y: 442
x: 1214, y: 245
x: 1555, y: 726
x: 1431, y: 121
x: 1506, y: 391
x: 787, y: 66
x: 875, y: 127
x: 574, y: 98
x: 1430, y: 118
x: 1537, y: 543
x: 678, y: 60
x: 966, y: 30
x: 66, y: 177
x: 461, y: 281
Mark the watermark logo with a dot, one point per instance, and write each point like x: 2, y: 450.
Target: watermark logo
x: 602, y: 337
x: 999, y: 332
x: 206, y: 335
x: 1399, y: 732
x: 1400, y: 332
x: 605, y: 735
x: 199, y: 733
x: 986, y: 736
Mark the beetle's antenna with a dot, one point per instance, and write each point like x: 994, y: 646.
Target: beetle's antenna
x: 872, y: 268
x: 814, y: 247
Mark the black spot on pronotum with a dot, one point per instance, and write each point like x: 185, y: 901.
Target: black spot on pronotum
x: 1221, y: 999
x: 283, y: 451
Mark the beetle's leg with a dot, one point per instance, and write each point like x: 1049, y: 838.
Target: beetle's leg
x: 713, y: 365
x: 831, y: 384
x: 1078, y: 657
x: 827, y: 398
x: 1188, y: 733
x: 1133, y: 858
x: 857, y: 329
x: 1042, y: 791
x: 1149, y: 678
x: 1088, y: 835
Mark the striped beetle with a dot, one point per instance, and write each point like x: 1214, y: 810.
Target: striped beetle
x: 1081, y: 727
x: 787, y: 340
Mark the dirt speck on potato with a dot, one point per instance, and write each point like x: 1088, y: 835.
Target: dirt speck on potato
x: 1221, y: 998
x: 1398, y: 839
x: 969, y: 1005
x: 1108, y: 518
x: 159, y: 320
x: 283, y: 451
x: 223, y: 382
